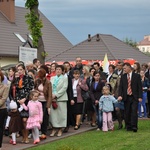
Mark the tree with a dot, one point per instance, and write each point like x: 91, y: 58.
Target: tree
x: 130, y: 42
x: 34, y: 26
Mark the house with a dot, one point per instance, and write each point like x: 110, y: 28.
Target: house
x: 144, y: 45
x: 14, y: 31
x: 95, y: 48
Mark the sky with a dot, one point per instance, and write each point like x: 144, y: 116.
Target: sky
x: 75, y: 19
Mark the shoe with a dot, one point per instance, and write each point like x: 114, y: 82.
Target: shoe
x: 30, y: 136
x: 66, y: 130
x: 93, y: 125
x: 43, y: 137
x: 36, y: 141
x: 76, y: 127
x: 12, y: 142
x: 98, y: 129
x: 59, y: 133
x: 26, y: 141
x: 53, y: 133
x: 134, y: 129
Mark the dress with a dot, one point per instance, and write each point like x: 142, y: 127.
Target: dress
x: 15, y: 123
x: 35, y: 114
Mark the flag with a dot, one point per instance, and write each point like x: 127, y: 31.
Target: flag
x: 105, y: 64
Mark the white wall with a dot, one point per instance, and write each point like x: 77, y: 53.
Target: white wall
x: 7, y: 61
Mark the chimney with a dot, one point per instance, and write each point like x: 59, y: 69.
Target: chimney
x: 89, y: 37
x: 7, y: 8
x: 97, y: 37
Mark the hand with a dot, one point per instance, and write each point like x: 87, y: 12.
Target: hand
x: 140, y: 99
x: 40, y: 122
x: 48, y: 110
x: 96, y: 102
x: 72, y: 102
x: 79, y: 83
x: 53, y: 96
x: 119, y: 98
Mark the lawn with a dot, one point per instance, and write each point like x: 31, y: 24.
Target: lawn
x: 98, y: 140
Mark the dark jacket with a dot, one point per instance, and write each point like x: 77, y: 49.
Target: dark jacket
x: 96, y: 93
x: 136, y: 86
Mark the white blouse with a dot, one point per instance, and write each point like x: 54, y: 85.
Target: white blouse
x: 75, y: 88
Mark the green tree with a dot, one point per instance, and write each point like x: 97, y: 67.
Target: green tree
x: 130, y: 42
x: 34, y: 26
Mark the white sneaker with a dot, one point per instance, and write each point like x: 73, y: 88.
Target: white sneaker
x: 98, y: 129
x: 30, y: 136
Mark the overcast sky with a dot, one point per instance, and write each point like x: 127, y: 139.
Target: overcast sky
x: 78, y: 18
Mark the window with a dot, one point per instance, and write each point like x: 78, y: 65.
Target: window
x: 30, y: 36
x: 20, y: 37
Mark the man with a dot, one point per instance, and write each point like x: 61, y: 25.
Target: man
x: 115, y: 82
x: 130, y: 90
x: 36, y: 63
x: 78, y: 65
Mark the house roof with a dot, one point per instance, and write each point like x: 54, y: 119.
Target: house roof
x: 145, y: 41
x: 95, y: 50
x: 54, y: 40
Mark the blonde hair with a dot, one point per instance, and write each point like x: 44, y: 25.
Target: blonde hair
x: 106, y: 88
x: 87, y: 74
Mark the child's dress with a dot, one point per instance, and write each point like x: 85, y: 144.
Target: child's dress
x: 35, y: 114
x: 15, y: 124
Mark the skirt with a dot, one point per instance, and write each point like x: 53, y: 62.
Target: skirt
x: 77, y: 108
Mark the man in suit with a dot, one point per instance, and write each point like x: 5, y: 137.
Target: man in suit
x: 130, y: 90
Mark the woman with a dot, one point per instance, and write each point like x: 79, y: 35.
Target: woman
x: 89, y: 106
x: 43, y: 85
x: 145, y: 87
x: 96, y: 93
x: 77, y: 104
x: 58, y: 117
x: 136, y: 67
x: 4, y: 90
x: 11, y: 72
x: 23, y: 85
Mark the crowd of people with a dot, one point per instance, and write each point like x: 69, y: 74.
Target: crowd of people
x: 35, y: 96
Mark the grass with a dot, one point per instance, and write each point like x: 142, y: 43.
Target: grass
x: 98, y: 140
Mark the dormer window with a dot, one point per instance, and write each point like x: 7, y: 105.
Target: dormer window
x: 20, y: 37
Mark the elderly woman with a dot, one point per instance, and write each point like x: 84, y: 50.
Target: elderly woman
x: 4, y: 90
x: 58, y: 117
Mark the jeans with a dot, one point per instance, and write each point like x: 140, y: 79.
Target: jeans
x: 99, y: 116
x: 143, y: 103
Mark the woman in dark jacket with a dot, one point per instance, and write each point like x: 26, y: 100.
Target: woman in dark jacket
x: 23, y: 85
x: 96, y: 93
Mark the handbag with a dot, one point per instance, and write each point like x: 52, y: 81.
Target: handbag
x: 54, y: 104
x: 24, y: 114
x: 85, y: 95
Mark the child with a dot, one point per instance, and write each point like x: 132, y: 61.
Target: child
x: 15, y: 124
x: 106, y: 105
x: 35, y: 115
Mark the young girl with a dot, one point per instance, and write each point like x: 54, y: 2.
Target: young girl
x: 35, y: 115
x: 15, y: 124
x: 106, y: 105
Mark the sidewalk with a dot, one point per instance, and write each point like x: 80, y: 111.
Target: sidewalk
x: 21, y: 146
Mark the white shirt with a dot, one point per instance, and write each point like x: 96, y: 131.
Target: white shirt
x: 75, y: 88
